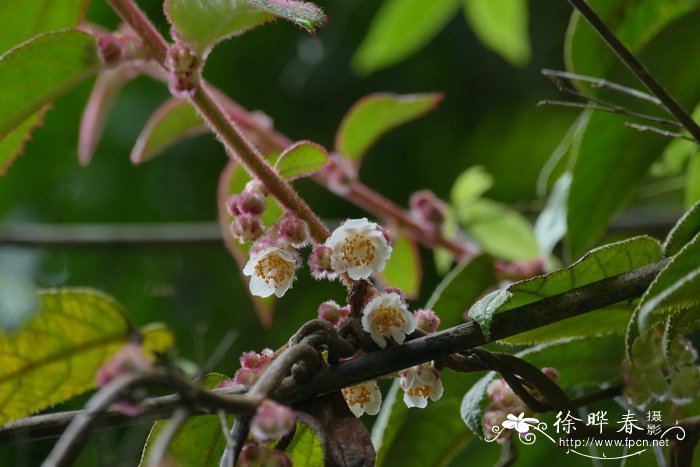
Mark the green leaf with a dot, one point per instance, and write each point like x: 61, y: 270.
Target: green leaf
x: 56, y: 355
x: 550, y: 226
x: 301, y: 159
x: 23, y: 20
x: 233, y: 180
x: 460, y: 288
x: 203, y: 24
x: 373, y: 115
x: 12, y: 145
x: 675, y: 289
x: 199, y: 442
x: 18, y: 302
x: 399, y: 29
x: 501, y: 25
x: 678, y: 324
x: 404, y: 269
x: 635, y: 22
x: 469, y: 186
x: 41, y: 70
x: 612, y: 158
x: 683, y: 232
x: 606, y: 261
x: 305, y: 448
x: 692, y: 184
x: 173, y: 121
x: 499, y: 230
x: 570, y: 357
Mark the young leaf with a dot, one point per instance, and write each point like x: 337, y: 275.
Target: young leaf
x: 404, y: 269
x: 683, y: 232
x: 399, y: 29
x: 565, y: 356
x: 203, y: 24
x: 199, y: 443
x: 42, y: 69
x: 305, y: 448
x: 469, y: 186
x: 501, y: 25
x: 606, y: 261
x: 13, y: 144
x: 373, y: 115
x: 174, y: 120
x: 550, y: 226
x: 499, y: 230
x: 301, y: 159
x: 80, y: 329
x: 692, y: 184
x: 612, y: 158
x: 675, y: 289
x: 233, y: 180
x: 460, y: 288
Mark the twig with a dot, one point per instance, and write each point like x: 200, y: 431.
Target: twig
x: 238, y: 435
x: 658, y: 131
x: 603, y: 106
x: 159, y: 451
x: 413, y: 352
x: 601, y: 83
x: 636, y: 67
x: 227, y: 458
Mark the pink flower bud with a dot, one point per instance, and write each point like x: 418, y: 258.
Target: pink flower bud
x: 232, y: 205
x: 271, y: 421
x: 246, y: 228
x: 183, y: 69
x: 333, y: 313
x: 127, y: 359
x: 425, y: 205
x: 320, y: 263
x: 520, y: 270
x: 397, y: 291
x: 427, y: 321
x: 257, y: 361
x: 293, y: 230
x: 252, y: 202
x: 339, y: 173
x: 251, y: 455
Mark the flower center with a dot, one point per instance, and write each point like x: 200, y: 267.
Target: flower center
x: 419, y: 391
x: 384, y: 317
x: 358, y: 250
x: 357, y: 395
x: 274, y: 268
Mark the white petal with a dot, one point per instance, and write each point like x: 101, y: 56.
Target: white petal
x: 373, y: 406
x: 397, y: 334
x: 437, y: 391
x: 379, y: 339
x: 260, y: 288
x: 359, y: 224
x: 358, y: 272
x: 356, y: 410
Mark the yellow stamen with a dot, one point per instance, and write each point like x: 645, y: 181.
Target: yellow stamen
x: 274, y: 268
x: 357, y: 395
x: 358, y: 251
x: 384, y: 317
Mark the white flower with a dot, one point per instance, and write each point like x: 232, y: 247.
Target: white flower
x: 271, y: 270
x: 363, y: 398
x: 420, y: 383
x: 386, y: 315
x: 359, y: 248
x: 521, y: 424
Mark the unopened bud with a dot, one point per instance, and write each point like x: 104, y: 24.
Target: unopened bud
x: 247, y: 228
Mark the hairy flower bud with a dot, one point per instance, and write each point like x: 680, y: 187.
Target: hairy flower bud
x: 320, y: 263
x: 129, y: 358
x: 339, y: 174
x: 271, y: 421
x: 427, y: 320
x: 333, y: 313
x: 294, y: 231
x: 428, y: 210
x: 251, y: 202
x: 247, y: 228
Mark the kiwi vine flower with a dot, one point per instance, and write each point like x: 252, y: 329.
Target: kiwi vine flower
x: 363, y: 398
x: 386, y: 315
x: 271, y: 271
x: 359, y: 248
x: 420, y: 383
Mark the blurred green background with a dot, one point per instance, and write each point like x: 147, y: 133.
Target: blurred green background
x: 305, y: 84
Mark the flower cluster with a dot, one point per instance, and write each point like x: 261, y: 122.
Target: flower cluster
x: 252, y: 366
x: 420, y: 383
x: 504, y: 402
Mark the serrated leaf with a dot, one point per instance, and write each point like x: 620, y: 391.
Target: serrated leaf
x: 675, y: 289
x: 199, y: 442
x: 501, y: 25
x: 678, y: 324
x: 404, y: 269
x: 18, y: 302
x: 606, y: 261
x: 399, y: 29
x: 56, y: 355
x: 612, y: 158
x: 233, y: 180
x: 692, y: 184
x: 305, y: 448
x: 204, y: 23
x: 570, y: 357
x: 469, y: 186
x: 301, y: 159
x: 373, y: 115
x: 460, y: 288
x: 12, y: 145
x: 174, y: 120
x: 683, y: 232
x: 499, y: 230
x: 42, y: 69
